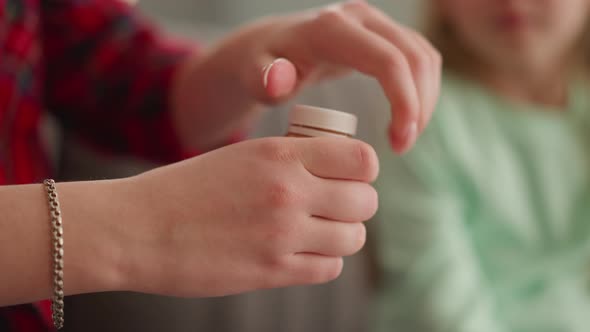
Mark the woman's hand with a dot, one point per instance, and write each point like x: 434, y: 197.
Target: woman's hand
x: 270, y: 60
x: 259, y: 214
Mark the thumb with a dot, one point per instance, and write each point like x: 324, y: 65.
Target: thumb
x: 279, y: 79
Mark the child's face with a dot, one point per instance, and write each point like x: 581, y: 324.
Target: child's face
x: 509, y: 33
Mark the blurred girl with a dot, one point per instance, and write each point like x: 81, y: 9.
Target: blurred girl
x: 486, y: 224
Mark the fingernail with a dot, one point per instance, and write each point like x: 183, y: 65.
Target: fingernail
x: 402, y: 140
x: 266, y: 71
x: 411, y: 134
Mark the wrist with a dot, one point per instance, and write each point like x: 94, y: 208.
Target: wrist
x: 138, y: 229
x: 96, y: 234
x: 213, y: 96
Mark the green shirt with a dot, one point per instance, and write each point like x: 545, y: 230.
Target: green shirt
x: 485, y: 225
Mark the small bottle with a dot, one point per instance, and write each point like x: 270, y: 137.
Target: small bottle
x: 310, y: 121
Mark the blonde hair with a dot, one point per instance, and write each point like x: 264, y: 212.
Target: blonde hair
x: 457, y: 56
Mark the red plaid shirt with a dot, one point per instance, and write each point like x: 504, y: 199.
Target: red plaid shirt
x: 101, y: 70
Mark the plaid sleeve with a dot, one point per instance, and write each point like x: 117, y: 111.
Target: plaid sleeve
x: 108, y: 77
x: 23, y: 318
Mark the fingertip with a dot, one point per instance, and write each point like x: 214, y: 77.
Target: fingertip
x: 279, y: 78
x: 402, y: 142
x: 395, y: 143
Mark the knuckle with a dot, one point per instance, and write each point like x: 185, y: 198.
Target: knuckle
x: 276, y: 150
x: 276, y: 264
x: 324, y: 273
x: 281, y: 235
x: 356, y: 5
x: 394, y: 61
x: 283, y: 194
x: 330, y: 16
x: 360, y: 238
x: 418, y: 61
x: 322, y: 25
x: 437, y: 56
x: 371, y: 203
x: 366, y: 158
x: 396, y: 64
x: 433, y: 53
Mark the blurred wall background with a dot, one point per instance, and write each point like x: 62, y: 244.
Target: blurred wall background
x: 231, y: 12
x: 341, y: 306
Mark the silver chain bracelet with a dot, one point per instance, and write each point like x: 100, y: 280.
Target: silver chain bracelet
x: 57, y: 300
